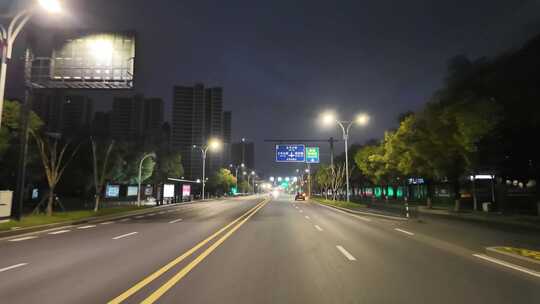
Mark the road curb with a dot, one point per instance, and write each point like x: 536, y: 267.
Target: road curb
x: 513, y: 258
x: 93, y: 220
x: 397, y: 218
x: 480, y: 221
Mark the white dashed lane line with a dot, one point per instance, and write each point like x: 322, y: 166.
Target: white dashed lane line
x: 86, y: 227
x: 349, y: 256
x: 403, y: 231
x: 59, y: 232
x: 124, y: 220
x: 139, y: 217
x: 175, y: 221
x: 307, y: 217
x: 23, y: 238
x: 318, y: 228
x: 124, y: 235
x: 13, y: 267
x: 107, y: 223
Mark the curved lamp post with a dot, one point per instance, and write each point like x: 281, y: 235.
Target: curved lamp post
x: 9, y: 34
x: 153, y: 155
x: 213, y: 144
x: 329, y: 118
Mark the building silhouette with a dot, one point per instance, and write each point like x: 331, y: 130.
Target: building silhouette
x: 197, y: 116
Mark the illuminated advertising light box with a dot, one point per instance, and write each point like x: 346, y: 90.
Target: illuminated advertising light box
x: 112, y: 191
x: 86, y: 60
x: 148, y: 190
x: 132, y: 190
x: 186, y: 190
x: 168, y: 190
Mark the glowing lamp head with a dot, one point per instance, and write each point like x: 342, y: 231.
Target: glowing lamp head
x: 51, y: 6
x: 214, y: 144
x: 362, y: 119
x: 328, y: 118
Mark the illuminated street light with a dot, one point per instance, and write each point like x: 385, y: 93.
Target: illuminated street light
x: 152, y: 155
x: 10, y: 33
x: 213, y: 144
x: 271, y: 178
x: 51, y: 6
x: 327, y: 119
x: 279, y: 179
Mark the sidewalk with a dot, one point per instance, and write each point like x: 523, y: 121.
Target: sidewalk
x: 522, y: 221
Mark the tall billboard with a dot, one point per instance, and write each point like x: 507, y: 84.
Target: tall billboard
x: 96, y: 60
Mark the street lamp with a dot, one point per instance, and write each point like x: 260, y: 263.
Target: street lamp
x: 8, y: 36
x: 213, y: 144
x: 153, y: 155
x: 329, y: 118
x: 236, y: 172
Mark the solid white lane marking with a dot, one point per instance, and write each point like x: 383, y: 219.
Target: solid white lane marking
x: 124, y: 235
x: 13, y: 267
x: 107, y: 223
x: 509, y: 265
x: 175, y: 221
x: 318, y: 228
x: 307, y: 217
x: 124, y: 220
x: 86, y: 227
x: 23, y: 238
x: 347, y: 213
x: 349, y: 256
x: 403, y: 231
x: 59, y: 231
x: 140, y: 216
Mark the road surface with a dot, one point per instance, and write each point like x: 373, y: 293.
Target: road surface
x: 257, y: 250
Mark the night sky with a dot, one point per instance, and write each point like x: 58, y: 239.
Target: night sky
x: 282, y: 62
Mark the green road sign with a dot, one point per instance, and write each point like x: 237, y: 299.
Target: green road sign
x: 312, y: 155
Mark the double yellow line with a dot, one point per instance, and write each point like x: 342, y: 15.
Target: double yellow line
x: 184, y: 271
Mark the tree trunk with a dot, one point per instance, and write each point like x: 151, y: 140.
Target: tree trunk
x: 457, y: 205
x: 50, y: 202
x: 429, y: 203
x: 96, y: 204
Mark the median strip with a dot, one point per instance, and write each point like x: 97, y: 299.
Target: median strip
x: 169, y: 284
x: 126, y: 294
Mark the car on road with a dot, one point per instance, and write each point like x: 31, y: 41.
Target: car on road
x: 300, y: 197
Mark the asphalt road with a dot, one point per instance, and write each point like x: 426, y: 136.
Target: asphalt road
x: 260, y: 250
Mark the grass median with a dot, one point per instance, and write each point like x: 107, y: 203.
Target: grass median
x: 342, y: 204
x: 60, y: 217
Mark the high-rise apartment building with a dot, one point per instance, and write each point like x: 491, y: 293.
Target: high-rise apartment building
x: 243, y: 153
x: 197, y: 116
x: 136, y: 118
x: 62, y: 111
x: 227, y: 138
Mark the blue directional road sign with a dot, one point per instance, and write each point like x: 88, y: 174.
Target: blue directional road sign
x: 290, y: 153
